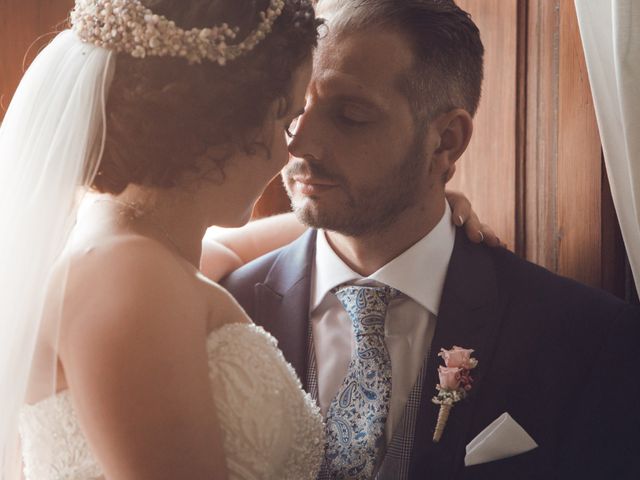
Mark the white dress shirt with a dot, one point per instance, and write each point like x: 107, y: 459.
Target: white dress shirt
x: 419, y: 273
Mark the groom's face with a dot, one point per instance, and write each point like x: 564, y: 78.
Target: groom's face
x: 357, y: 158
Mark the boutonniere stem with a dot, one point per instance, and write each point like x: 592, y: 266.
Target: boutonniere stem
x: 455, y: 383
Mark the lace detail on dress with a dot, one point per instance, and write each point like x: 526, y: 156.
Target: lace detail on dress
x: 271, y: 428
x: 53, y: 446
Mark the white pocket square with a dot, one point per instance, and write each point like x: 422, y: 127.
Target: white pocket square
x: 503, y: 438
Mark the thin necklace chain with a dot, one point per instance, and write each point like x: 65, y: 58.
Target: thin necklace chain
x: 138, y: 213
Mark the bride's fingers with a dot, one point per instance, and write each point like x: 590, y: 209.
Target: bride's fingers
x: 463, y: 215
x: 474, y: 229
x: 489, y: 236
x: 460, y: 207
x: 481, y: 233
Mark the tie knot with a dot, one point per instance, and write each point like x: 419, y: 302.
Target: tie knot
x: 366, y: 306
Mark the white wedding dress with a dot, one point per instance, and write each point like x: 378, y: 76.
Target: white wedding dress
x: 271, y: 428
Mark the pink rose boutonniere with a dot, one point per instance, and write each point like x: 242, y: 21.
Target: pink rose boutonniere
x: 455, y: 383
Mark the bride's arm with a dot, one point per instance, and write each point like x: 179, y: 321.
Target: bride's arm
x: 224, y: 250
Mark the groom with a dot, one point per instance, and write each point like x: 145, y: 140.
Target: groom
x: 363, y: 303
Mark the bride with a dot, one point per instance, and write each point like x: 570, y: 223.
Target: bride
x: 132, y: 133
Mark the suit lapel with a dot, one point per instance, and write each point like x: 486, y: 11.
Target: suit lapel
x: 282, y: 301
x: 470, y: 314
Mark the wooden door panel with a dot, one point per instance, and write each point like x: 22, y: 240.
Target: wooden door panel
x: 25, y: 27
x: 487, y: 171
x: 579, y: 169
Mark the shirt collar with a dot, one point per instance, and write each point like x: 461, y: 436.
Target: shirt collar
x: 419, y: 272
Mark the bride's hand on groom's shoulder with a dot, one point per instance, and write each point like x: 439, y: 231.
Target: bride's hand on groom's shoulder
x: 464, y: 215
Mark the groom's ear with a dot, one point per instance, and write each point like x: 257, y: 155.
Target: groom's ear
x: 450, y: 133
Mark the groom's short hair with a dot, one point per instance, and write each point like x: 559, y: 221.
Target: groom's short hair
x: 448, y: 68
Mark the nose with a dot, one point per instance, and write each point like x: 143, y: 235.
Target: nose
x: 307, y: 137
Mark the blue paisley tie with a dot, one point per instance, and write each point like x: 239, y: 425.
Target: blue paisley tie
x: 357, y: 415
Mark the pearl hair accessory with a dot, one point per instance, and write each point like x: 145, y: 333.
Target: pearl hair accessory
x: 128, y: 26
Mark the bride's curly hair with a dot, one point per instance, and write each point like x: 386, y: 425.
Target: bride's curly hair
x: 164, y: 115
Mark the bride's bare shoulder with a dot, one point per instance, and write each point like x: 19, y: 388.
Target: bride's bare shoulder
x: 223, y: 306
x: 136, y: 277
x: 127, y: 276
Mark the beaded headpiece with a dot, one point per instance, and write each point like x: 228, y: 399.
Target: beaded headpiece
x: 130, y: 27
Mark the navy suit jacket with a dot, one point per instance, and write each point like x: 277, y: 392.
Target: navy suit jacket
x: 561, y: 358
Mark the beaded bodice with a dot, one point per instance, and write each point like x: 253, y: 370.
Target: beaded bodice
x: 271, y: 428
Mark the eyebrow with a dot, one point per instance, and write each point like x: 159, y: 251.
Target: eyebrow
x: 359, y: 100
x: 345, y: 93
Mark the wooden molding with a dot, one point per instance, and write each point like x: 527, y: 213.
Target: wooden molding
x: 521, y: 129
x: 541, y: 132
x: 579, y: 170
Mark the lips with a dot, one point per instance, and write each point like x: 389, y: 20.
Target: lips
x: 311, y: 186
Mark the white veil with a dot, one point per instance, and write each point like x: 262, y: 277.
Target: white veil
x: 51, y: 141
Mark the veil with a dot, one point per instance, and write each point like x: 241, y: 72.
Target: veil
x: 51, y: 142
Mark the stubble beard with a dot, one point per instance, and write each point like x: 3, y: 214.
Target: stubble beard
x: 370, y: 209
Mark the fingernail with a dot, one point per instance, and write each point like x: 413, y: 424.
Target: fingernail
x: 481, y: 236
x: 460, y: 220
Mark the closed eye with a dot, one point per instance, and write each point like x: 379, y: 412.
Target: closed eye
x: 354, y: 115
x: 350, y: 121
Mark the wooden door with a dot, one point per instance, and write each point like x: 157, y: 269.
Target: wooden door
x: 534, y: 169
x: 25, y: 27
